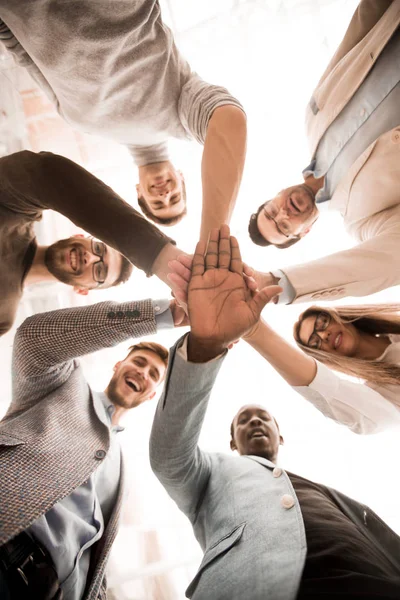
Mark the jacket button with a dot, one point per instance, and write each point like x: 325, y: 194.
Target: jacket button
x: 111, y: 315
x: 396, y: 137
x: 100, y: 454
x: 287, y: 501
x: 133, y: 313
x: 277, y: 472
x: 120, y: 314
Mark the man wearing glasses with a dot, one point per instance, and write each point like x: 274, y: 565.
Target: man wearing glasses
x: 31, y: 183
x: 353, y: 129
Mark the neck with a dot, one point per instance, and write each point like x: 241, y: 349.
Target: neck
x: 119, y: 411
x: 371, y: 347
x: 314, y: 184
x: 38, y: 271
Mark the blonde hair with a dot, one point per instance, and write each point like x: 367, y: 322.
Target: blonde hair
x: 369, y: 318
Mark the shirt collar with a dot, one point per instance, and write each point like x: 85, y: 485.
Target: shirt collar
x: 105, y: 411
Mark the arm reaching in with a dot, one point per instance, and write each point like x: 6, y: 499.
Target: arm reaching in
x: 222, y: 166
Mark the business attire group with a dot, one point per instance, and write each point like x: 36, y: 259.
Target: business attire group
x: 114, y: 70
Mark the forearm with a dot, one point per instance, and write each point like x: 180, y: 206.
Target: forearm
x: 222, y: 166
x: 48, y: 340
x: 291, y: 363
x: 34, y: 182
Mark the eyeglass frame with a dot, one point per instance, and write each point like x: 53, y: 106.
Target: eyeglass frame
x: 315, y: 331
x: 101, y: 256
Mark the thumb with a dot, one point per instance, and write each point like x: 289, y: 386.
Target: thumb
x: 264, y: 296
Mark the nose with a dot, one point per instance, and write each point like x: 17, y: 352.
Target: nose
x: 166, y: 194
x: 254, y: 421
x: 89, y: 258
x: 325, y: 335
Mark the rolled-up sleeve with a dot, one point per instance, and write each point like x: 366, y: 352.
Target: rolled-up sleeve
x: 197, y: 102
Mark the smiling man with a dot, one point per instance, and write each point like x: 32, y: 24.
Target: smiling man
x: 31, y: 183
x: 61, y: 465
x: 127, y: 81
x: 353, y: 128
x: 265, y: 532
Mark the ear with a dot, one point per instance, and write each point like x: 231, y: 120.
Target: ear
x: 138, y: 190
x: 81, y: 235
x: 116, y: 366
x: 151, y: 396
x: 305, y: 231
x: 281, y: 441
x: 233, y: 444
x: 181, y: 175
x: 81, y: 291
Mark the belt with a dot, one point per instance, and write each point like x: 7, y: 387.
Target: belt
x: 29, y: 570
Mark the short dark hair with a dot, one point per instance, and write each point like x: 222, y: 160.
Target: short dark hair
x: 151, y: 347
x: 233, y: 421
x: 167, y: 221
x: 125, y: 272
x: 259, y: 239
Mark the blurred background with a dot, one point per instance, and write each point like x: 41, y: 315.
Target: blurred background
x: 269, y: 54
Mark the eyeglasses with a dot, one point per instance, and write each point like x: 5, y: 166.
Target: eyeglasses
x: 99, y: 269
x: 321, y: 323
x: 283, y: 225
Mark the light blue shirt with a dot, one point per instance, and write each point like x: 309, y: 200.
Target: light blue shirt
x: 74, y: 524
x: 373, y: 110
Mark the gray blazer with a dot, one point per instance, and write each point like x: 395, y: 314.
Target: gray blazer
x: 254, y: 547
x: 51, y: 439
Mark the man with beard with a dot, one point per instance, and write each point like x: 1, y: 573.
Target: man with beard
x: 62, y: 473
x: 265, y: 533
x: 113, y: 69
x: 31, y: 183
x: 353, y: 128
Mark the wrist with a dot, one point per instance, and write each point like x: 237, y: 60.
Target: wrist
x: 202, y: 350
x: 253, y: 332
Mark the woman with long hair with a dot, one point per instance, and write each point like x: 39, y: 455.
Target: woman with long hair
x: 362, y: 341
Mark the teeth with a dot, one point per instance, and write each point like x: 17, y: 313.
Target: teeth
x: 132, y: 384
x: 73, y: 259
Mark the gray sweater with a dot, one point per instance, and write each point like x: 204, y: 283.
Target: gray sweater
x: 112, y: 69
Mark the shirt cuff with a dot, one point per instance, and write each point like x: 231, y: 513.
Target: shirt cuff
x: 163, y: 314
x: 289, y: 293
x: 182, y: 351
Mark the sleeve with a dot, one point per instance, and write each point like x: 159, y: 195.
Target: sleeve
x: 369, y: 267
x: 355, y: 405
x: 30, y: 183
x: 46, y: 344
x: 177, y: 461
x: 197, y: 102
x: 163, y: 314
x: 288, y: 292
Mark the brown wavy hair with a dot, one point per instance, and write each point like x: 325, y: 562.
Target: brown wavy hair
x: 374, y: 319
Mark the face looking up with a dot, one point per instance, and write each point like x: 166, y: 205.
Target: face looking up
x: 136, y: 378
x: 288, y: 216
x: 254, y: 431
x: 161, y: 192
x: 320, y: 331
x: 85, y: 263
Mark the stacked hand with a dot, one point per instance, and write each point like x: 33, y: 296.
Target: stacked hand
x: 221, y: 307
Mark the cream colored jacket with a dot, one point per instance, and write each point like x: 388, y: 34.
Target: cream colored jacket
x: 368, y: 197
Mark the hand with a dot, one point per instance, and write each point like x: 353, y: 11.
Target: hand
x: 221, y: 308
x: 263, y: 280
x: 178, y: 314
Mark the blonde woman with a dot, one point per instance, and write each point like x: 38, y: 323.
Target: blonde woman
x: 361, y: 341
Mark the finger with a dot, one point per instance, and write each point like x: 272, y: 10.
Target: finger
x: 186, y: 260
x: 249, y: 271
x: 264, y: 296
x: 236, y: 257
x: 212, y: 250
x: 179, y: 269
x: 198, y: 259
x: 181, y: 298
x: 251, y: 283
x: 177, y: 282
x: 224, y: 248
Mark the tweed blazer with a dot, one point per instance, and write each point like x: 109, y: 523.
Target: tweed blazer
x: 254, y: 547
x: 368, y: 195
x: 51, y: 439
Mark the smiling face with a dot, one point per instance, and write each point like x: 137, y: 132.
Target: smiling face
x: 161, y: 189
x: 254, y: 431
x: 136, y: 379
x: 288, y: 216
x: 74, y: 261
x: 320, y: 331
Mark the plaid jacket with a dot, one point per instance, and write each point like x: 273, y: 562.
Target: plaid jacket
x: 50, y: 437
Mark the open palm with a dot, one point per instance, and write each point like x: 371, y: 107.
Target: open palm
x: 221, y: 308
